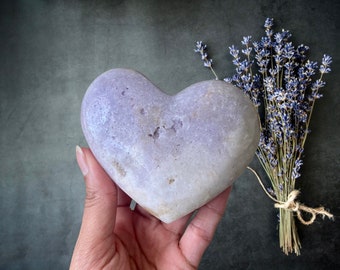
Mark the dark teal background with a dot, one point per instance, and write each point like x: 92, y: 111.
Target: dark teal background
x: 50, y: 51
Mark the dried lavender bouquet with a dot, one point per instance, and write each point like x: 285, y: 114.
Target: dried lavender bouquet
x: 283, y: 86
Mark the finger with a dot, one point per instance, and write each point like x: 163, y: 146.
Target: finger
x: 201, y: 229
x: 178, y: 226
x: 141, y: 211
x: 123, y: 198
x: 101, y: 199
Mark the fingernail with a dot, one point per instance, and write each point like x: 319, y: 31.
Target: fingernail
x: 81, y: 161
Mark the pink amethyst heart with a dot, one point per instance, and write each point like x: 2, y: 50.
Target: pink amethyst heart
x: 171, y: 154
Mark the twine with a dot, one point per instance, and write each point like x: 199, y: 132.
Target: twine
x: 292, y: 205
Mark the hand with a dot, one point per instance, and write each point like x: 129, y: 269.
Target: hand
x: 112, y: 236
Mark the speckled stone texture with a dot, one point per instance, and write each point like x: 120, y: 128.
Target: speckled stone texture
x: 171, y: 154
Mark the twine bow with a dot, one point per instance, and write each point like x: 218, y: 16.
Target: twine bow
x: 295, y: 206
x: 292, y: 205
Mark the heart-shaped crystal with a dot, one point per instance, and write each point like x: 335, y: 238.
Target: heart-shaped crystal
x: 171, y: 154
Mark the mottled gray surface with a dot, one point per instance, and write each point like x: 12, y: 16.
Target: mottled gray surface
x: 51, y: 50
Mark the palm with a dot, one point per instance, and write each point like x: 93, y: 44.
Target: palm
x: 146, y: 243
x: 113, y: 236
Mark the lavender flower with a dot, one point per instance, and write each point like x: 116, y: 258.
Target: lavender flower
x: 288, y: 93
x: 271, y: 192
x: 269, y: 23
x: 277, y: 76
x: 297, y: 165
x: 326, y: 61
x: 201, y: 48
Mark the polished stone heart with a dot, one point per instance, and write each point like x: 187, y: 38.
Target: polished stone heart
x: 171, y: 154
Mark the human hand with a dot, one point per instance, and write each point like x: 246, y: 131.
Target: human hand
x: 112, y: 236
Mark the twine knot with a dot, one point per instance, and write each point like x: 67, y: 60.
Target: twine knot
x: 295, y: 206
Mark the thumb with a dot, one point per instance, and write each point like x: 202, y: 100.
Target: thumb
x: 100, y: 202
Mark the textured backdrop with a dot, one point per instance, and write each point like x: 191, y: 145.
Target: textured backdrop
x: 50, y: 51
